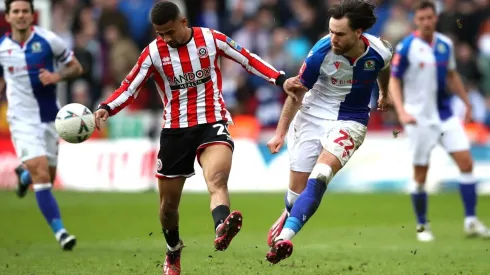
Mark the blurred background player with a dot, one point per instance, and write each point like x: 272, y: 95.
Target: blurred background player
x: 340, y: 72
x: 29, y: 56
x: 424, y: 61
x: 184, y: 64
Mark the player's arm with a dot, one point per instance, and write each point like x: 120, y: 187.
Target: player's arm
x: 249, y: 61
x: 128, y: 91
x: 62, y: 55
x: 2, y: 86
x: 454, y: 81
x: 71, y: 70
x: 2, y: 80
x: 384, y: 74
x: 289, y: 110
x: 383, y: 81
x: 456, y: 84
x: 399, y: 65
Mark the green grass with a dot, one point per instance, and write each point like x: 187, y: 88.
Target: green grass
x: 350, y: 234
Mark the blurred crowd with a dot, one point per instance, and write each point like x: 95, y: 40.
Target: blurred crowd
x: 108, y: 35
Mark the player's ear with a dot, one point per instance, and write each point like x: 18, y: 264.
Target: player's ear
x: 183, y: 21
x: 358, y: 33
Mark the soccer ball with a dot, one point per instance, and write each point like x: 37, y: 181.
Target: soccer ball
x: 74, y: 123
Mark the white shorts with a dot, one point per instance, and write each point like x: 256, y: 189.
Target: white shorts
x: 35, y: 140
x: 308, y: 134
x: 450, y: 134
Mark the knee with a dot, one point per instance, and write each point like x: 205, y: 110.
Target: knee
x: 217, y: 181
x: 420, y: 175
x: 466, y: 166
x: 39, y: 171
x: 420, y: 179
x: 168, y: 206
x: 40, y: 176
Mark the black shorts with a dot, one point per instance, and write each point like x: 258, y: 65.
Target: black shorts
x: 179, y: 147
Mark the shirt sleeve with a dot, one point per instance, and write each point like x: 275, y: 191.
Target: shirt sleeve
x: 310, y: 70
x: 399, y: 63
x: 131, y: 85
x: 61, y: 52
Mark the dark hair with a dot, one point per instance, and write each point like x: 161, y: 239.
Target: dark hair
x: 8, y: 2
x: 424, y: 4
x: 164, y: 12
x: 359, y: 12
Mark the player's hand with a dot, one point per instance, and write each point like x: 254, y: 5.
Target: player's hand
x: 382, y: 103
x: 468, y: 116
x: 293, y: 85
x: 100, y: 114
x: 406, y: 119
x: 275, y: 143
x: 48, y: 78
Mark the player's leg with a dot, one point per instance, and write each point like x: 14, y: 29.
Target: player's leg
x: 304, y: 147
x: 456, y: 143
x: 214, y: 154
x: 339, y: 144
x: 33, y: 145
x: 38, y: 168
x: 175, y: 163
x: 51, y: 137
x: 170, y: 192
x: 297, y: 183
x: 422, y: 140
x: 216, y: 164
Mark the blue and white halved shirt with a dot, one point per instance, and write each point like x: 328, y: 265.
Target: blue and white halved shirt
x: 28, y: 99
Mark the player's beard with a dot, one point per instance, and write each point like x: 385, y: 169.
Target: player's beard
x: 345, y: 49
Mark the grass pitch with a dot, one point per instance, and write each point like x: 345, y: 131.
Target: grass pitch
x: 350, y: 234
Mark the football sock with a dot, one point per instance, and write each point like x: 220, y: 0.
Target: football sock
x: 220, y: 213
x: 48, y: 206
x: 419, y: 202
x: 467, y: 190
x: 172, y: 238
x: 289, y: 199
x: 25, y: 178
x: 308, y: 201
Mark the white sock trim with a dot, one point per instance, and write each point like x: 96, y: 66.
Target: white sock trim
x: 286, y: 234
x: 467, y: 178
x: 41, y: 186
x: 58, y: 234
x: 416, y: 187
x: 291, y: 197
x: 322, y: 171
x: 175, y: 248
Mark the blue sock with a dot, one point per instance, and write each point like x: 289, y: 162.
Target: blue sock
x: 419, y: 201
x: 468, y: 196
x: 25, y: 178
x: 306, y: 204
x: 49, y: 207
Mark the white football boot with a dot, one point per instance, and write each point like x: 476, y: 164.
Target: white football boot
x: 424, y: 234
x: 474, y: 227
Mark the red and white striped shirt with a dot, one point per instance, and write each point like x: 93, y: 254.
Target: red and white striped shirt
x: 188, y: 78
